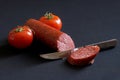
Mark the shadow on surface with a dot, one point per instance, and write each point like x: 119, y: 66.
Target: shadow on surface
x: 76, y: 68
x: 30, y: 53
x: 6, y: 50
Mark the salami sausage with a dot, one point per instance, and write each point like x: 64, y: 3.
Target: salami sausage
x: 55, y: 39
x: 83, y: 55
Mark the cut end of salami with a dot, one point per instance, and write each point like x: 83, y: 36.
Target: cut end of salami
x: 65, y: 42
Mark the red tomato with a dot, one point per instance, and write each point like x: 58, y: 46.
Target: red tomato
x: 20, y: 37
x: 52, y: 20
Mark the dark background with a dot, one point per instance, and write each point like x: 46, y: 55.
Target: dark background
x: 86, y: 21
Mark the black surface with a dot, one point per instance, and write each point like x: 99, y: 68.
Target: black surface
x: 86, y: 21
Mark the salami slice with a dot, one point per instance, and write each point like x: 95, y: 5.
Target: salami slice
x: 83, y: 55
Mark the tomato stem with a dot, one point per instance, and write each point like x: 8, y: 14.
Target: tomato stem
x: 48, y: 15
x: 19, y: 29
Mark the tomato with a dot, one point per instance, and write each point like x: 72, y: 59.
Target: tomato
x: 20, y: 37
x: 51, y: 20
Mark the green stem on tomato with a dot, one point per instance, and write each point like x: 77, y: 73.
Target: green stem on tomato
x: 48, y: 15
x: 19, y: 29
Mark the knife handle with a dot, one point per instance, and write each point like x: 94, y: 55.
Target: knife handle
x: 107, y: 44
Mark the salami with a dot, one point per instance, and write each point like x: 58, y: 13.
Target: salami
x: 83, y: 55
x: 55, y: 39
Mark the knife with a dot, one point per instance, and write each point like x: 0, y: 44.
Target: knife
x: 104, y: 45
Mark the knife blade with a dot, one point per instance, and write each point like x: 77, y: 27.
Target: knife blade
x: 104, y: 45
